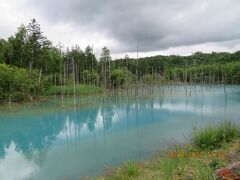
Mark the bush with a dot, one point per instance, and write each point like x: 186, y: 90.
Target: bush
x: 17, y: 84
x: 118, y: 77
x: 147, y: 78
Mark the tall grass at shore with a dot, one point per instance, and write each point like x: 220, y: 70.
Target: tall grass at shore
x: 214, y: 136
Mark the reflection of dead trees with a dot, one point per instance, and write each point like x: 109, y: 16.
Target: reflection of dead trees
x: 225, y: 81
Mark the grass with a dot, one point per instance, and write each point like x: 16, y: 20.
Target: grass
x: 128, y: 171
x: 210, y: 151
x: 80, y: 90
x: 166, y: 168
x: 213, y: 137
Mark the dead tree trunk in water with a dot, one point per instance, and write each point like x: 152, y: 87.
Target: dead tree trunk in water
x: 40, y: 75
x: 74, y: 83
x: 109, y: 73
x: 61, y: 78
x: 64, y: 78
x: 39, y: 81
x: 92, y: 67
x: 55, y: 83
x: 126, y: 75
x: 136, y: 84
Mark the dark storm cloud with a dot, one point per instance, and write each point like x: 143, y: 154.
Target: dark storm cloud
x: 157, y: 24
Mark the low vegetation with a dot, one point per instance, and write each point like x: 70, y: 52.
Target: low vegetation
x: 130, y: 170
x: 17, y: 84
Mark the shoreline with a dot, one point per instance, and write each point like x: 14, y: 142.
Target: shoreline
x: 186, y: 161
x: 99, y: 92
x: 166, y: 164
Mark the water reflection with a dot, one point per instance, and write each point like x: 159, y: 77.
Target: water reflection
x: 81, y: 142
x: 21, y: 167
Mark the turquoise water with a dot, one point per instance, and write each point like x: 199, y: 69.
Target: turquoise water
x: 46, y: 141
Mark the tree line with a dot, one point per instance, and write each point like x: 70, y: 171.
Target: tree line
x: 30, y: 63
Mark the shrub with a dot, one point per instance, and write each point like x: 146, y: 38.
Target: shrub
x: 147, y: 78
x: 17, y: 84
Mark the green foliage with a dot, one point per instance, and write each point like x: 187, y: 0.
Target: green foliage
x: 18, y: 84
x: 120, y: 76
x: 95, y: 77
x: 86, y: 76
x: 147, y: 78
x: 212, y: 137
x: 90, y: 77
x: 29, y: 48
x: 91, y: 61
x: 227, y: 131
x: 228, y: 72
x: 2, y: 50
x: 17, y: 48
x: 206, y: 138
x: 85, y: 60
x: 199, y: 66
x: 30, y: 51
x: 105, y: 55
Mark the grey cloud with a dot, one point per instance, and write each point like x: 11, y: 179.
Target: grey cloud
x: 157, y: 24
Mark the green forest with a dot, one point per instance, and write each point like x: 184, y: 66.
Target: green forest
x: 30, y: 64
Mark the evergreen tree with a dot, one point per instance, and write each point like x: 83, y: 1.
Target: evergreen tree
x: 36, y: 41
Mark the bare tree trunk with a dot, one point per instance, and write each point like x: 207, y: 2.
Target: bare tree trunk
x: 55, y: 83
x: 61, y: 88
x: 92, y: 66
x: 40, y: 75
x: 136, y: 88
x: 109, y: 74
x: 105, y: 75
x: 74, y: 83
x: 67, y: 69
x: 126, y: 76
x: 64, y: 78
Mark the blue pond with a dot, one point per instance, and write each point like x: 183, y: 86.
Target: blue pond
x: 46, y: 141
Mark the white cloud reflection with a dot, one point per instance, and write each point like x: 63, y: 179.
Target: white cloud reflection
x: 15, y: 165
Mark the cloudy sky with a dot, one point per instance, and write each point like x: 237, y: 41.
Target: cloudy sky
x: 161, y: 26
